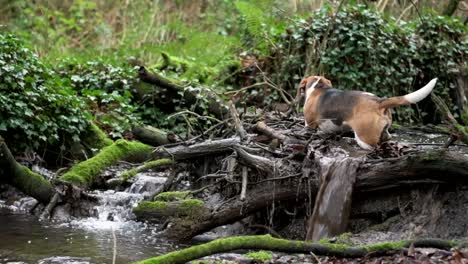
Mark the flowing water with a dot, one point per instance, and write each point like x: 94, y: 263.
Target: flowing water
x: 23, y: 239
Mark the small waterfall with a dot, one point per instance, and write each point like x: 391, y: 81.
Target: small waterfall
x: 114, y: 208
x: 333, y: 200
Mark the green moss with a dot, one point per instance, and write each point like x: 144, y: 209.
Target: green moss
x: 261, y: 255
x: 98, y: 138
x: 191, y: 207
x: 171, y: 196
x: 386, y: 246
x: 85, y: 172
x: 146, y: 166
x: 344, y: 239
x: 147, y: 206
x: 333, y: 246
x: 129, y: 174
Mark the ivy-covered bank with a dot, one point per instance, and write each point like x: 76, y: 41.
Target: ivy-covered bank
x: 363, y: 49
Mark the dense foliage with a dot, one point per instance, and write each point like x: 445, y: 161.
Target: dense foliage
x: 360, y: 49
x: 37, y: 108
x: 107, y: 90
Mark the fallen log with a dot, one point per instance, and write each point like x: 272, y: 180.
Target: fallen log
x: 231, y: 212
x: 215, y: 104
x: 266, y: 242
x: 208, y: 147
x: 151, y: 135
x: 84, y: 173
x: 441, y: 166
x: 126, y: 175
x: 432, y: 167
x: 27, y: 181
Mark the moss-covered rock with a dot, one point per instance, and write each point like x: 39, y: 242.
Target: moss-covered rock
x: 261, y: 255
x: 171, y: 196
x: 153, y: 210
x: 84, y: 173
x: 147, y: 205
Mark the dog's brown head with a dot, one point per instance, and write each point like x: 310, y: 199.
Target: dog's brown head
x: 314, y: 81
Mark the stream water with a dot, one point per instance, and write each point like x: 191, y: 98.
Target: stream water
x: 23, y: 239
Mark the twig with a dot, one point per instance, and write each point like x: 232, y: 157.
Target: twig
x: 269, y: 229
x: 48, y: 210
x: 209, y: 130
x: 201, y: 189
x: 244, y: 183
x: 315, y: 257
x: 195, y: 114
x: 236, y: 92
x: 405, y: 10
x: 237, y: 122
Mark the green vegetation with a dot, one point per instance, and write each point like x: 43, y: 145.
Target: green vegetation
x: 148, y: 206
x: 85, y: 172
x: 171, y: 196
x: 87, y: 53
x: 261, y: 255
x: 37, y: 108
x: 404, y: 55
x: 146, y: 166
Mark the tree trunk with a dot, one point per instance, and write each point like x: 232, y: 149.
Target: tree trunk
x: 451, y: 7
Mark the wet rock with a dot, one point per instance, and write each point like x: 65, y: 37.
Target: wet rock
x: 26, y: 204
x: 114, y: 183
x: 143, y: 184
x: 43, y: 171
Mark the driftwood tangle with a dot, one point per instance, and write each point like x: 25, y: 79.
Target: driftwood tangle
x: 287, y: 172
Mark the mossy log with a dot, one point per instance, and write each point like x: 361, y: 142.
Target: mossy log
x: 436, y: 166
x: 157, y: 210
x: 151, y: 135
x: 266, y: 242
x: 208, y: 147
x: 236, y: 210
x: 215, y: 104
x: 30, y: 183
x: 146, y: 166
x: 84, y: 173
x: 96, y: 138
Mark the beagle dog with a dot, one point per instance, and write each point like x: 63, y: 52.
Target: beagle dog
x: 368, y: 116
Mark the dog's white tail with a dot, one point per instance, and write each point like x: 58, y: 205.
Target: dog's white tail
x: 410, y: 98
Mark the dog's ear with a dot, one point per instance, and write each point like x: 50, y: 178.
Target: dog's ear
x: 302, y: 85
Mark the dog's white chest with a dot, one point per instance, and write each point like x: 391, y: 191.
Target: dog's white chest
x: 327, y: 126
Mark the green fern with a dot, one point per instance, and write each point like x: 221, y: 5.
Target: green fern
x: 254, y: 16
